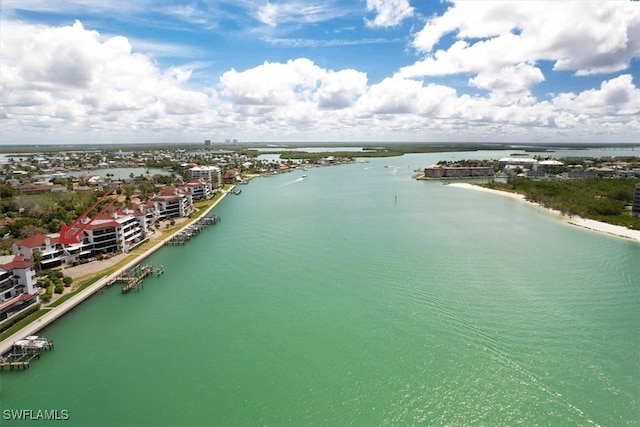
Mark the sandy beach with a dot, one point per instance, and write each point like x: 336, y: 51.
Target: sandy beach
x: 597, y: 226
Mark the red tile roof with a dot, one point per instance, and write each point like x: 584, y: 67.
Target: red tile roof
x: 34, y: 241
x: 17, y: 262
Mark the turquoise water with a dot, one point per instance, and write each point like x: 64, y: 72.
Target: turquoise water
x: 358, y: 296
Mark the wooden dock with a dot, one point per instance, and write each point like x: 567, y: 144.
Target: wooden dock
x: 192, y: 231
x: 18, y: 361
x: 24, y: 351
x: 134, y: 278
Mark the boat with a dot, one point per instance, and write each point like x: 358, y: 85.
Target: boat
x: 33, y: 342
x: 304, y: 176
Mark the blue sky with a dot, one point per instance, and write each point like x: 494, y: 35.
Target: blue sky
x: 82, y: 71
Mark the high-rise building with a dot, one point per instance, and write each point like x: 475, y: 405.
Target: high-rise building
x: 207, y: 142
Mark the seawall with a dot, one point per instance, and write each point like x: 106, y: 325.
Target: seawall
x: 56, y: 312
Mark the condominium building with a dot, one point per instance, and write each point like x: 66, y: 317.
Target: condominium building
x: 110, y: 234
x: 103, y: 235
x: 458, y: 172
x: 17, y: 285
x: 51, y: 252
x: 172, y: 202
x: 199, y: 189
x: 146, y: 213
x: 210, y: 174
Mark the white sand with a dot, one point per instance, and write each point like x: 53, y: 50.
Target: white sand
x: 590, y: 224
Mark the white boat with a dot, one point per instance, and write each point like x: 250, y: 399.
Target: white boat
x: 304, y: 176
x: 33, y: 342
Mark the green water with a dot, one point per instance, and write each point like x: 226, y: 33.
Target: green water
x: 357, y: 296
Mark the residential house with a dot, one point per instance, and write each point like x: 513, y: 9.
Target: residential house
x: 231, y: 176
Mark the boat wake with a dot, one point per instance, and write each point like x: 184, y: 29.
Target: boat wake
x: 294, y: 181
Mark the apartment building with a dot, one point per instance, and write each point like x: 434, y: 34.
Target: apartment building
x: 172, y: 202
x: 458, y: 172
x: 17, y: 285
x: 199, y: 189
x: 210, y: 174
x: 52, y: 254
x: 146, y: 213
x: 117, y: 232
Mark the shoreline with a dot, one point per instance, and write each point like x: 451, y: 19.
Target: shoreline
x: 589, y: 224
x: 54, y: 313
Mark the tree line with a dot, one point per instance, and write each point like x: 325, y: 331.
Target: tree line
x: 602, y: 199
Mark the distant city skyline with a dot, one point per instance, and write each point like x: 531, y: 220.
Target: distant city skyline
x: 159, y: 71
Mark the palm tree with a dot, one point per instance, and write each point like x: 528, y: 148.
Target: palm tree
x: 37, y: 257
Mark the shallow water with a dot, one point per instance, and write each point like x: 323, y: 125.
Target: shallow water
x: 358, y: 296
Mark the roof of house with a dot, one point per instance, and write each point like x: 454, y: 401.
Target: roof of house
x: 36, y: 241
x: 18, y: 261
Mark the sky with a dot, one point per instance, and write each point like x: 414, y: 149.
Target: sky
x: 136, y: 71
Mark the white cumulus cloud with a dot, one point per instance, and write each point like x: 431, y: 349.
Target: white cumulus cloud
x: 79, y: 85
x: 389, y: 13
x: 68, y: 72
x: 588, y: 38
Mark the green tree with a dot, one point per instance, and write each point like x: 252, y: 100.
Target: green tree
x: 37, y: 258
x: 7, y: 191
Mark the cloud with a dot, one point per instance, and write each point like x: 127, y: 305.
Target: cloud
x: 293, y: 82
x: 341, y: 89
x: 404, y: 96
x: 618, y: 97
x: 601, y: 38
x: 71, y: 6
x: 509, y: 79
x: 81, y: 85
x: 296, y: 11
x: 389, y: 13
x: 289, y: 42
x: 274, y: 84
x: 67, y: 73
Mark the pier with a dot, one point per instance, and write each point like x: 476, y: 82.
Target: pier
x: 134, y: 277
x: 55, y: 313
x: 24, y: 351
x: 192, y: 231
